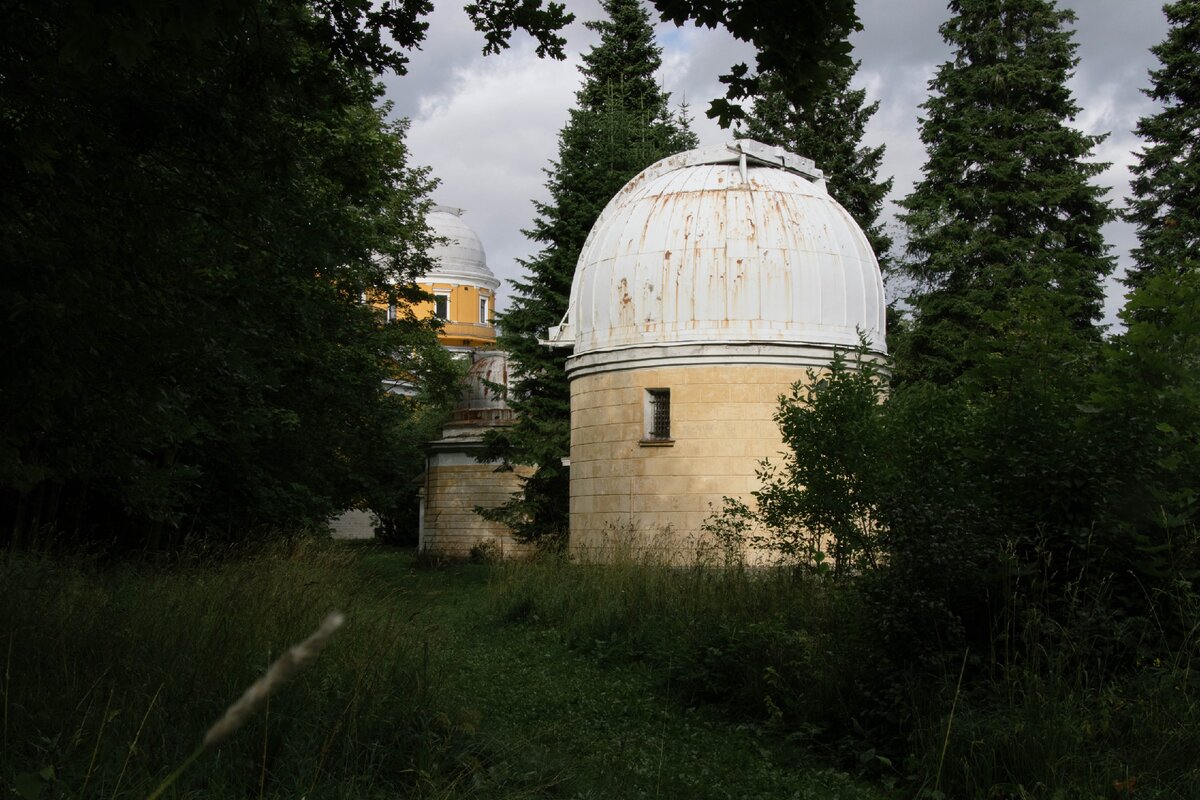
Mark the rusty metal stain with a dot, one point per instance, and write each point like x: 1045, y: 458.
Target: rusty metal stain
x: 760, y: 260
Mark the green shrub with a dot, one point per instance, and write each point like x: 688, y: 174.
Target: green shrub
x: 1056, y: 721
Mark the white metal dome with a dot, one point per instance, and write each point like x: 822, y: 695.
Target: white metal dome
x: 485, y: 392
x: 461, y: 259
x: 732, y: 253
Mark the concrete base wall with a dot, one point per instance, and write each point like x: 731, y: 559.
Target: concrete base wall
x: 455, y: 484
x: 625, y: 490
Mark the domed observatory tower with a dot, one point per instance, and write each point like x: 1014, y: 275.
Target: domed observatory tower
x: 463, y: 288
x: 709, y: 284
x: 455, y: 483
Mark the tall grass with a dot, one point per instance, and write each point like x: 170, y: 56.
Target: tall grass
x: 113, y: 674
x: 1069, y: 714
x: 1070, y: 710
x: 770, y: 644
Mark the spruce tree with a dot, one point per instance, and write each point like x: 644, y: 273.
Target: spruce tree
x: 1166, y: 189
x: 829, y: 130
x: 1004, y: 227
x: 622, y: 123
x: 1149, y: 385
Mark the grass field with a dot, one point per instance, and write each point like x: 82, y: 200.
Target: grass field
x: 541, y: 679
x: 113, y: 673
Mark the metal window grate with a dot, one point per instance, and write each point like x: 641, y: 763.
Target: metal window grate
x: 441, y: 306
x: 660, y: 413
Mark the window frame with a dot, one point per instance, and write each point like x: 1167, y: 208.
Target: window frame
x: 656, y: 417
x: 444, y: 297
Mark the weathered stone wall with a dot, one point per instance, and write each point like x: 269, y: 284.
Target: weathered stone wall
x: 661, y: 493
x: 455, y: 484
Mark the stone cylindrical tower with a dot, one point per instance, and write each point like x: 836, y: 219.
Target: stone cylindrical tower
x: 708, y: 286
x: 456, y: 483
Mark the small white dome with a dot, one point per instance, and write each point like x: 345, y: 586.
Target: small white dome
x: 461, y: 259
x: 737, y: 246
x: 485, y: 393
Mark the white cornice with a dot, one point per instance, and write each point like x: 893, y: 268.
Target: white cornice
x: 729, y: 354
x: 444, y: 275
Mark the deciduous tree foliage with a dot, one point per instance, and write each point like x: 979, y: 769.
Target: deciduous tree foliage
x: 197, y: 197
x: 1005, y: 223
x: 194, y: 192
x: 802, y: 42
x: 622, y: 124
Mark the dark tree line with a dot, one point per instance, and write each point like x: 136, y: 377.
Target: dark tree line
x: 1019, y: 481
x: 1007, y: 515
x: 197, y: 197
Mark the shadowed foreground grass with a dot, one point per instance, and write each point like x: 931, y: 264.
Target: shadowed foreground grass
x: 1085, y: 706
x: 112, y: 675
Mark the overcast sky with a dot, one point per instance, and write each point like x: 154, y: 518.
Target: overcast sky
x: 488, y: 126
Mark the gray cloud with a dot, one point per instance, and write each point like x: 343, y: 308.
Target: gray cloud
x: 900, y: 49
x: 488, y: 126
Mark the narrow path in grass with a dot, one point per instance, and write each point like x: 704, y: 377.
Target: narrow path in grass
x: 592, y: 729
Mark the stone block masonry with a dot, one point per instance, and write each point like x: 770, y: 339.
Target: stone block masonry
x: 454, y: 486
x: 722, y: 427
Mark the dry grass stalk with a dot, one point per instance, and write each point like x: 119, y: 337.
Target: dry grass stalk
x: 284, y: 668
x: 279, y: 673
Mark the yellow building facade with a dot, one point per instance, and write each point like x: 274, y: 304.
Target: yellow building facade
x: 463, y: 288
x: 454, y: 304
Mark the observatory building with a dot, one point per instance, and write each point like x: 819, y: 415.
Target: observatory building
x: 463, y: 288
x: 709, y: 285
x: 455, y: 484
